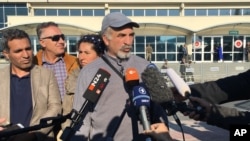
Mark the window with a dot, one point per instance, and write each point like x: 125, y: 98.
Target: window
x: 39, y: 12
x: 9, y: 11
x: 1, y: 15
x: 9, y: 5
x: 236, y: 12
x: 246, y: 11
x: 171, y: 41
x: 150, y: 12
x: 51, y: 12
x: 72, y: 44
x: 115, y: 10
x: 127, y: 12
x: 225, y: 12
x: 99, y: 12
x: 87, y: 12
x: 201, y: 12
x: 189, y: 12
x: 174, y: 12
x: 63, y: 12
x: 22, y: 11
x: 150, y: 40
x: 162, y: 12
x: 138, y: 12
x: 213, y: 12
x: 139, y: 44
x: 75, y: 12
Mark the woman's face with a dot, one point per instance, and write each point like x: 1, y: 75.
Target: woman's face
x: 86, y: 53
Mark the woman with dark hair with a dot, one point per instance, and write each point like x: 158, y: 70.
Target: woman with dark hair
x: 90, y: 47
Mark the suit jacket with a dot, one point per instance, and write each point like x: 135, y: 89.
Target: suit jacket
x: 70, y: 86
x: 45, y: 95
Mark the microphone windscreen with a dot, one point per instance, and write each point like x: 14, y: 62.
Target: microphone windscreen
x: 132, y: 77
x: 97, y: 85
x: 140, y: 97
x: 152, y: 65
x: 156, y: 85
x: 178, y: 82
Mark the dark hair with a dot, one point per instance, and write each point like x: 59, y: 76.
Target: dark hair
x: 43, y: 25
x: 98, y: 44
x: 11, y: 34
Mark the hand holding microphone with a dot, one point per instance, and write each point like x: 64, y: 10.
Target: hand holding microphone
x: 159, y: 131
x: 184, y: 90
x: 162, y: 94
x: 2, y: 120
x: 196, y: 116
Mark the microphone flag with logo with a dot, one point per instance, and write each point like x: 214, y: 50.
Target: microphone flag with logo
x: 97, y: 85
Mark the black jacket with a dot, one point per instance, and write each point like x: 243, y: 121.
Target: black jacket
x: 223, y: 90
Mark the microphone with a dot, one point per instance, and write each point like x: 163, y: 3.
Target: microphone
x: 97, y: 85
x: 157, y: 87
x: 178, y: 82
x: 92, y: 95
x: 161, y: 94
x: 131, y: 77
x: 184, y: 90
x: 141, y: 101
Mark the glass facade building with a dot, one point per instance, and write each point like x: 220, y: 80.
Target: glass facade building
x: 166, y: 45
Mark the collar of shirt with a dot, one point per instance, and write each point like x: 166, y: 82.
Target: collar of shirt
x: 118, y: 63
x: 45, y: 61
x: 14, y: 75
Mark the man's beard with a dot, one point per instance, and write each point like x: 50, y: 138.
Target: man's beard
x: 123, y: 55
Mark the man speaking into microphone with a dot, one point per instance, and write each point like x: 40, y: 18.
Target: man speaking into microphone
x: 105, y: 116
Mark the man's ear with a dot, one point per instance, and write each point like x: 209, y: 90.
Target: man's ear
x: 42, y: 43
x: 105, y: 39
x: 6, y: 54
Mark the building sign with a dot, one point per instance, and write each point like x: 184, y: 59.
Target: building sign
x: 214, y: 69
x: 197, y: 44
x: 233, y: 32
x: 238, y: 43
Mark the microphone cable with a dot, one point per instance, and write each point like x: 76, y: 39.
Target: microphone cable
x: 178, y: 121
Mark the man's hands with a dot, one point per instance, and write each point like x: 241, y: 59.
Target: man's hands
x: 194, y: 115
x: 2, y: 120
x: 159, y: 131
x: 20, y: 137
x: 177, y: 96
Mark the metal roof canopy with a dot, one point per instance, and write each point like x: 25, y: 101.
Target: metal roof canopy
x: 66, y: 29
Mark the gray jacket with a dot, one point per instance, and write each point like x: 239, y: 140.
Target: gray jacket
x: 100, y: 122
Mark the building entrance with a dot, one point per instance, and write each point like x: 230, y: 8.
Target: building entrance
x: 212, y: 48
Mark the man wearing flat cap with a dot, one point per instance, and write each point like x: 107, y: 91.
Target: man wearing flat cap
x: 105, y: 119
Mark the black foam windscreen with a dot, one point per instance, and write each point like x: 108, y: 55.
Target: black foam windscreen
x: 156, y: 85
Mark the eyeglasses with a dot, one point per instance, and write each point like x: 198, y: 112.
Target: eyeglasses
x: 55, y: 37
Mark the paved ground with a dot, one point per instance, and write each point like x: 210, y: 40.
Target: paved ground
x: 200, y: 131
x: 197, y: 131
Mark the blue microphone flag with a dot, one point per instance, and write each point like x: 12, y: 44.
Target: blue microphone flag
x: 140, y: 97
